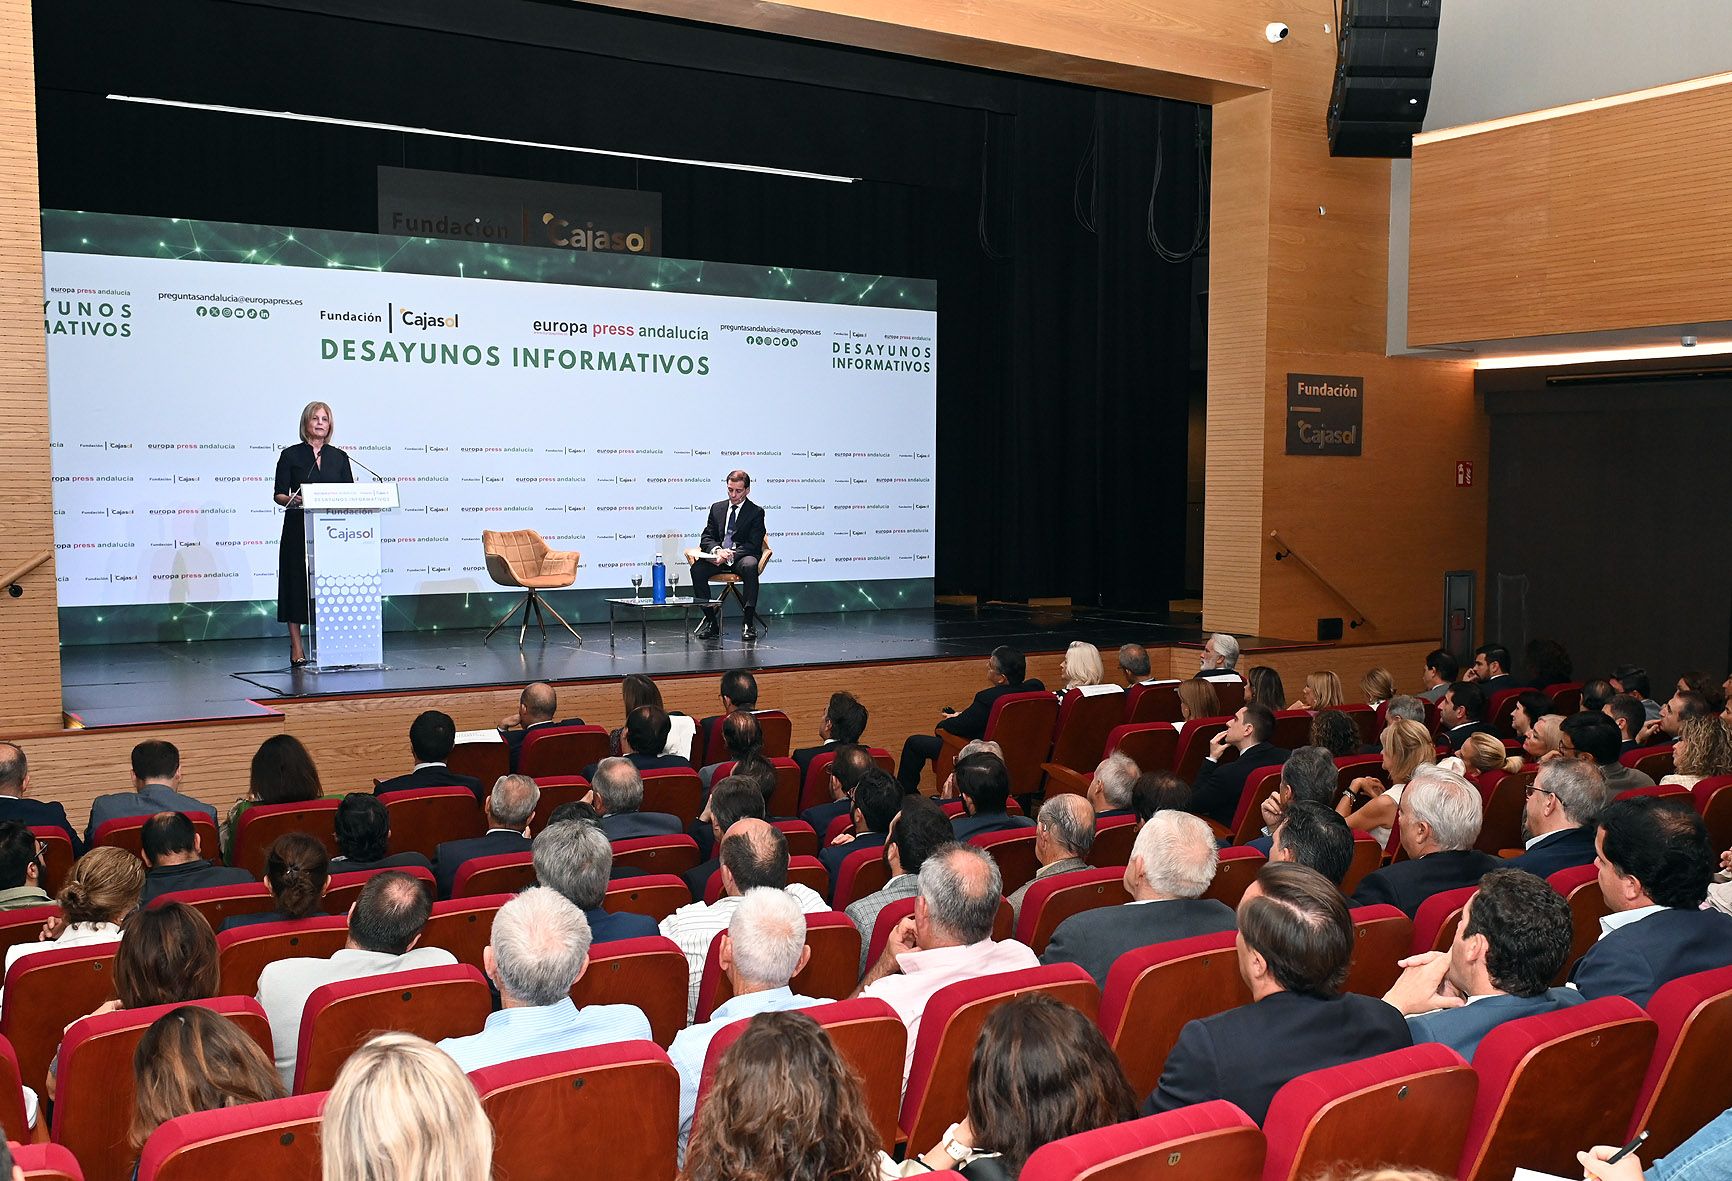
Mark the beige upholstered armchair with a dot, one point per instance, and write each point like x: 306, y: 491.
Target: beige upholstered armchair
x: 522, y: 558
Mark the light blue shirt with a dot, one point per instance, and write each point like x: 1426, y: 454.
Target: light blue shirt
x: 692, y: 1043
x: 511, y: 1034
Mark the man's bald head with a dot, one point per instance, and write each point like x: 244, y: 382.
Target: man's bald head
x: 960, y: 888
x: 1069, y: 824
x: 538, y: 702
x: 754, y: 853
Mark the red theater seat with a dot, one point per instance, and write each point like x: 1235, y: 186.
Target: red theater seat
x: 243, y: 952
x: 1566, y: 696
x: 500, y: 873
x: 1114, y: 837
x: 46, y: 1162
x: 1080, y: 735
x: 678, y: 791
x: 560, y: 750
x: 24, y: 926
x: 1367, y: 856
x: 1382, y: 935
x: 863, y: 872
x: 485, y: 761
x: 1437, y: 918
x: 556, y: 790
x: 1050, y: 901
x: 424, y: 817
x: 1686, y: 1083
x: 1580, y: 886
x: 463, y: 926
x: 802, y: 841
x: 671, y: 854
x: 1153, y: 991
x: 1153, y: 703
x: 1505, y: 796
x: 277, y: 1140
x: 1212, y: 1141
x: 11, y: 1096
x: 1235, y: 870
x: 649, y: 972
x: 261, y: 824
x: 57, y: 857
x: 1194, y: 739
x: 434, y: 1003
x: 657, y: 895
x: 1013, y: 850
x: 1292, y: 728
x: 1152, y: 746
x: 45, y: 993
x: 1713, y: 799
x: 1021, y: 724
x: 1248, y: 816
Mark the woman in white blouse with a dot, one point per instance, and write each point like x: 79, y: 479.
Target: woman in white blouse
x: 103, y: 888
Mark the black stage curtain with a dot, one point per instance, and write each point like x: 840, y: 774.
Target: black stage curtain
x: 1065, y: 342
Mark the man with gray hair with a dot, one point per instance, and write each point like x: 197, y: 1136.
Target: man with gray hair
x: 538, y: 949
x: 1133, y: 663
x: 509, y: 806
x: 763, y: 948
x: 1402, y: 705
x: 1220, y: 656
x: 617, y: 793
x: 573, y: 859
x: 1308, y: 774
x: 947, y: 939
x: 1113, y: 788
x: 1439, y: 814
x: 1064, y: 832
x: 974, y: 746
x: 1172, y: 863
x: 1558, y: 821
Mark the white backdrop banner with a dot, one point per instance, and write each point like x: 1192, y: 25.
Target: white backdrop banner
x: 600, y: 401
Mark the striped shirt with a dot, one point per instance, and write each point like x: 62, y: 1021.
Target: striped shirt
x: 511, y: 1034
x: 695, y: 925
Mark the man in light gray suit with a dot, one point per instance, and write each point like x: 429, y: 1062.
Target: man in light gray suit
x: 1172, y: 863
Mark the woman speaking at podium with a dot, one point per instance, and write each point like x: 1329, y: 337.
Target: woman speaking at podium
x: 311, y: 461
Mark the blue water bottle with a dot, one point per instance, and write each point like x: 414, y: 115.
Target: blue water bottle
x: 658, y: 582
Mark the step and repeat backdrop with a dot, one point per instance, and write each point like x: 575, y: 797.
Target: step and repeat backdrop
x: 598, y: 399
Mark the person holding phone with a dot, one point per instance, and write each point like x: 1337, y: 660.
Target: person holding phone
x: 311, y: 461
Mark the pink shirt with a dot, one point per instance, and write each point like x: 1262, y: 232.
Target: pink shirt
x: 925, y: 972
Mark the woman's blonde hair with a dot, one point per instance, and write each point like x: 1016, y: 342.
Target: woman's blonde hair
x: 104, y: 887
x: 1707, y: 747
x: 1484, y: 752
x: 1200, y: 698
x: 1082, y: 665
x: 402, y: 1110
x: 1378, y: 685
x: 1407, y: 747
x: 307, y: 416
x: 1325, y: 689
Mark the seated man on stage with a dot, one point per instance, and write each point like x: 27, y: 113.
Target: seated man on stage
x: 734, y: 539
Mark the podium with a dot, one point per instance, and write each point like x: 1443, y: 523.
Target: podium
x: 343, y: 573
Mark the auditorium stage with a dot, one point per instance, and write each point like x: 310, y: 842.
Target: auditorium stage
x: 140, y: 684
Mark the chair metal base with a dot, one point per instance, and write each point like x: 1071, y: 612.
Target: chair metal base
x: 731, y: 590
x: 532, y: 602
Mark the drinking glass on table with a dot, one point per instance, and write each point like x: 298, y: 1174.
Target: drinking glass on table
x: 636, y: 586
x: 673, y: 585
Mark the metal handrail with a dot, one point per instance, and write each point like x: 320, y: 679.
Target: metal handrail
x: 1282, y: 544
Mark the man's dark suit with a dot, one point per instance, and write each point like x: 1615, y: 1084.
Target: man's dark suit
x: 1247, y: 1054
x: 833, y: 855
x: 1407, y: 884
x: 964, y: 827
x: 449, y: 857
x: 1564, y: 849
x: 821, y: 816
x: 1455, y: 737
x: 514, y: 738
x: 644, y: 763
x: 605, y: 927
x: 623, y: 826
x: 970, y: 724
x: 1095, y: 938
x: 1499, y: 683
x: 1636, y: 959
x: 1461, y: 1029
x: 40, y: 814
x: 804, y: 755
x: 198, y: 874
x: 394, y: 861
x: 437, y: 775
x: 1220, y: 785
x: 748, y: 550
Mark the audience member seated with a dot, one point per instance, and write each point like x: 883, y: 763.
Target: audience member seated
x: 1322, y: 691
x: 1110, y: 790
x: 102, y: 889
x: 1479, y: 756
x: 1627, y: 714
x: 1629, y: 678
x: 1215, y: 795
x: 297, y: 869
x: 385, y: 924
x: 1197, y: 699
x: 1593, y: 738
x: 1560, y: 816
x: 1531, y: 705
x: 1041, y: 1071
x: 1336, y: 733
x: 1441, y: 671
x: 155, y: 788
x: 364, y: 837
x: 192, y: 1059
x: 282, y: 772
x: 617, y: 792
x: 1082, y: 666
x: 739, y: 690
x: 761, y: 950
x: 1704, y: 749
x: 974, y: 746
x: 1512, y: 941
x: 509, y: 806
x: 1064, y: 832
x: 876, y: 798
x: 537, y: 706
x: 1134, y: 666
x: 1314, y: 835
x: 1307, y: 775
x: 21, y: 868
x: 646, y: 737
x: 1295, y: 942
x: 172, y: 850
x: 14, y: 804
x: 1440, y: 815
x: 1706, y: 685
x: 947, y: 939
x: 1171, y: 864
x: 1491, y: 669
x: 1596, y: 693
x: 537, y: 951
x: 1706, y: 1156
x: 1655, y: 865
x: 1159, y: 791
x: 1399, y: 706
x: 983, y: 782
x: 1219, y: 658
x: 852, y: 761
x: 1263, y: 687
x: 753, y: 855
x: 1368, y: 805
x: 1006, y: 673
x: 1682, y: 705
x: 1546, y: 737
x: 1377, y: 686
x: 574, y: 859
x: 639, y: 690
x: 734, y: 799
x: 783, y: 1104
x: 919, y: 829
x: 742, y: 738
x: 1463, y: 712
x: 402, y: 1110
x: 431, y: 736
x: 843, y: 724
x: 1548, y: 664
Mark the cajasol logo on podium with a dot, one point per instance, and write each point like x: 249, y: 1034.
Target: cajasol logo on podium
x: 343, y: 572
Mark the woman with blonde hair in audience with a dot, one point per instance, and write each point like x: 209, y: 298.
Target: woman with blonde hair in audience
x: 194, y: 1059
x: 783, y: 1106
x: 1198, y: 699
x: 1322, y: 691
x: 1082, y: 666
x: 1368, y: 806
x: 1479, y: 754
x: 1263, y: 685
x: 1377, y: 686
x: 1704, y: 750
x: 1544, y: 737
x: 298, y: 871
x: 103, y: 888
x: 402, y: 1110
x: 282, y: 772
x: 1335, y: 732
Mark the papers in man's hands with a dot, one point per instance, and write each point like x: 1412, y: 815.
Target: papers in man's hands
x: 1535, y: 1175
x: 479, y: 736
x: 715, y: 556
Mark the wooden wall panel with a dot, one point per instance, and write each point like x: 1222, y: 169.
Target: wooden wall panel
x: 1610, y: 217
x: 29, y: 629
